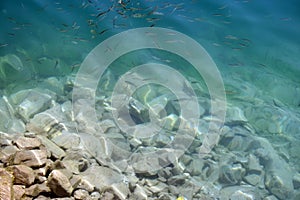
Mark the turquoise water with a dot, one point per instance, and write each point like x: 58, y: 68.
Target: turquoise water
x: 255, y: 45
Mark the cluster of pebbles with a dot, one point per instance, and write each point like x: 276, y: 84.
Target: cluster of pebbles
x: 49, y: 152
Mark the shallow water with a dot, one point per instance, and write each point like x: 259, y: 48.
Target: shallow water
x: 254, y: 44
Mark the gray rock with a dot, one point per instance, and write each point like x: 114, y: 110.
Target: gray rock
x: 107, y: 124
x: 275, y: 183
x: 165, y: 196
x: 55, y: 150
x: 8, y: 121
x: 178, y: 179
x: 135, y: 142
x: 138, y: 111
x: 121, y: 190
x: 27, y: 143
x: 139, y: 193
x: 67, y: 140
x: 86, y: 185
x: 272, y: 197
x: 101, y: 177
x: 165, y: 172
x: 11, y: 61
x: 76, y: 161
x: 32, y: 101
x: 161, y: 139
x: 54, y: 84
x: 195, y: 167
x: 108, y: 196
x: 6, y: 185
x: 296, y: 181
x: 240, y: 195
x: 95, y: 195
x: 254, y: 166
x: 170, y: 122
x: 158, y: 188
x: 7, y: 153
x: 49, y: 123
x: 279, y: 175
x: 231, y: 174
x: 150, y: 160
x: 157, y: 106
x: 59, y: 184
x: 30, y: 158
x: 42, y: 197
x: 235, y: 116
x: 252, y: 179
x: 22, y: 174
x: 85, y: 117
x: 76, y: 180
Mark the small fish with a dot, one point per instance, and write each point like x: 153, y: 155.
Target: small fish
x: 104, y: 12
x: 63, y: 30
x: 3, y: 45
x: 103, y: 31
x: 81, y: 39
x: 217, y: 14
x: 231, y: 37
x: 56, y: 64
x: 236, y: 48
x: 74, y: 66
x: 152, y: 19
x: 285, y: 19
x: 11, y: 19
x: 216, y: 44
x: 223, y: 7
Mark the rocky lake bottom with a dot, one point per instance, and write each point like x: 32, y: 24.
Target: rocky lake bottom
x: 48, y: 151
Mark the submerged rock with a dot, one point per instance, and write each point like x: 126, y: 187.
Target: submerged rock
x: 102, y: 177
x: 235, y: 116
x: 138, y: 111
x: 31, y: 101
x: 50, y: 123
x: 231, y: 175
x: 278, y: 174
x: 9, y: 122
x: 11, y: 61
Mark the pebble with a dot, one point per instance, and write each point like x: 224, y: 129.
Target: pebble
x: 80, y: 194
